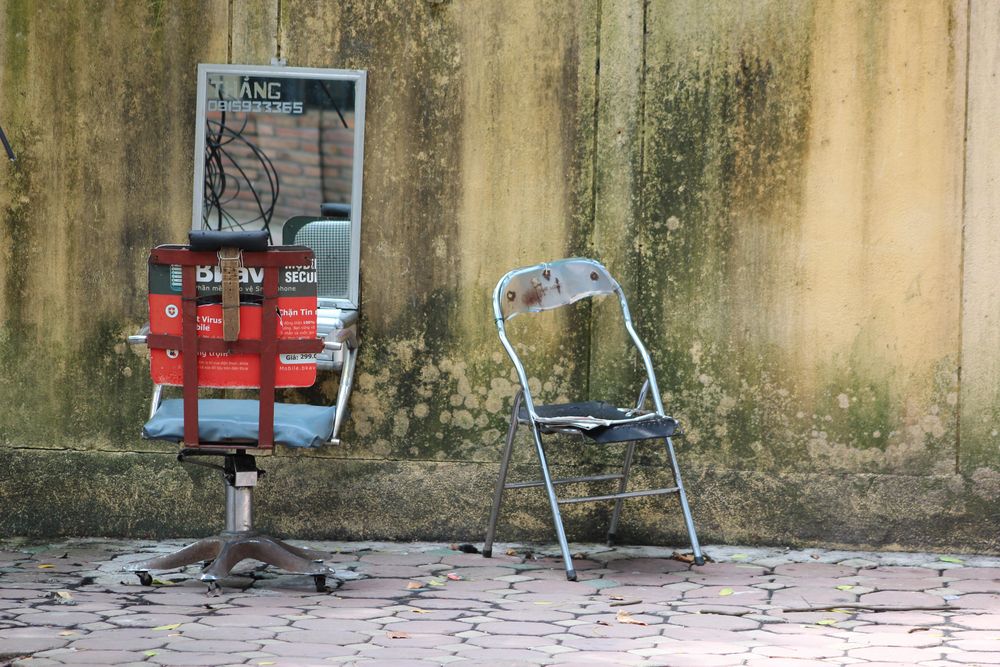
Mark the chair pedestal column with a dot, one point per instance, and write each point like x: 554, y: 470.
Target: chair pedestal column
x: 238, y: 541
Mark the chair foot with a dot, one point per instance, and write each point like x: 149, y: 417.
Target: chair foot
x: 611, y: 539
x: 223, y: 552
x: 487, y: 553
x: 700, y: 560
x: 571, y: 575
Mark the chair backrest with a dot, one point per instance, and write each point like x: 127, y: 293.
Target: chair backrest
x: 277, y: 340
x: 552, y: 285
x: 330, y: 241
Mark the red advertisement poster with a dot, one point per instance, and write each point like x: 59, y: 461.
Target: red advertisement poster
x: 296, y: 319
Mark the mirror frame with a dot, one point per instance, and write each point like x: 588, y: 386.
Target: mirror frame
x: 359, y: 78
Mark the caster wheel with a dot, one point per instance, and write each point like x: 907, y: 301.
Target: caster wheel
x: 214, y: 590
x: 145, y: 578
x: 320, y: 580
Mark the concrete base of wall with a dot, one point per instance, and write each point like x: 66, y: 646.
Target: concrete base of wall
x: 74, y: 493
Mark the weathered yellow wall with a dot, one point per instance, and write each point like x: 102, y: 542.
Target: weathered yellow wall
x: 782, y: 189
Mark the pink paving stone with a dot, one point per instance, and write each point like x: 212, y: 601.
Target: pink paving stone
x: 552, y: 587
x: 430, y: 627
x: 990, y: 601
x: 65, y: 619
x: 991, y: 644
x: 262, y: 610
x: 727, y: 594
x: 599, y: 658
x: 364, y: 603
x: 622, y: 630
x: 190, y: 659
x: 538, y: 614
x: 120, y: 643
x: 975, y: 658
x: 218, y: 645
x: 102, y: 658
x: 902, y: 618
x: 906, y: 572
x: 814, y: 570
x: 703, y: 646
x: 650, y: 565
x: 305, y: 650
x: 975, y: 586
x: 807, y: 596
x: 975, y: 634
x: 898, y: 583
x: 397, y: 571
x: 243, y: 621
x: 519, y: 628
x: 400, y: 559
x: 698, y: 660
x: 901, y: 599
x: 786, y: 662
x: 974, y: 573
x: 713, y: 621
x: 801, y: 652
x: 349, y: 613
x: 199, y: 631
x: 338, y: 624
x: 147, y: 620
x: 391, y: 587
x: 399, y: 653
x: 415, y: 640
x: 644, y: 579
x: 897, y: 654
x: 643, y: 613
x: 508, y: 641
x: 644, y: 593
x: 323, y: 637
x: 607, y: 643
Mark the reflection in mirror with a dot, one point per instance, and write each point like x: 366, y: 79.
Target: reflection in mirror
x: 280, y: 144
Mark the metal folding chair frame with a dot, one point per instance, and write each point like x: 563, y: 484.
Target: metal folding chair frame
x: 545, y: 287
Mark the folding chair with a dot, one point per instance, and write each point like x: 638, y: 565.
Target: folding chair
x: 545, y: 287
x: 229, y: 311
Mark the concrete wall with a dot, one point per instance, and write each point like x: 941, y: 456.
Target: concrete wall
x: 798, y: 198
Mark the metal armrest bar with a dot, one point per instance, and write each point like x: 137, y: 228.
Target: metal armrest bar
x: 564, y: 480
x: 615, y: 496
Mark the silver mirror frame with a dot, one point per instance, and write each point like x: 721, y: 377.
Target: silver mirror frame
x: 359, y: 78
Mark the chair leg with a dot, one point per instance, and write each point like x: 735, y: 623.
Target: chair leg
x: 622, y: 486
x: 699, y: 559
x: 553, y: 504
x: 502, y: 478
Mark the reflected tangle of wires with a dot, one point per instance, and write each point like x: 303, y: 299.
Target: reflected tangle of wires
x: 223, y: 187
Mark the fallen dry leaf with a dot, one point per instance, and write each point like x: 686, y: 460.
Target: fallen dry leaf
x: 454, y: 577
x: 414, y: 585
x: 511, y: 552
x: 626, y: 617
x: 684, y: 558
x: 172, y: 626
x: 45, y: 566
x: 726, y: 591
x: 397, y: 634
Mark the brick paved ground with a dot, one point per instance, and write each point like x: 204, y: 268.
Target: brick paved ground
x: 425, y: 604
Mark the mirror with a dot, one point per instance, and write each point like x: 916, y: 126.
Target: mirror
x: 281, y: 149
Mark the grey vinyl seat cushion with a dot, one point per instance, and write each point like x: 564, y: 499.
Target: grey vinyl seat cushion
x: 644, y: 429
x: 235, y: 420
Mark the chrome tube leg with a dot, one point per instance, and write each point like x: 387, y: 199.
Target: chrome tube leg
x: 554, y: 504
x: 502, y: 477
x: 688, y: 521
x: 622, y: 486
x: 239, y: 509
x: 344, y: 391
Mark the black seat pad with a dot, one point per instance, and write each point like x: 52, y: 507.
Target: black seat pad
x: 645, y: 429
x: 205, y: 239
